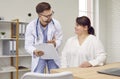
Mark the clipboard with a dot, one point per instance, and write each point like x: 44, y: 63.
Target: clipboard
x: 48, y: 49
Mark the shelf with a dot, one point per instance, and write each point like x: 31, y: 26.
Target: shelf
x: 23, y: 23
x: 7, y: 71
x: 11, y: 38
x: 24, y: 70
x: 5, y: 21
x: 24, y: 55
x: 4, y: 56
x: 7, y: 38
x: 12, y: 52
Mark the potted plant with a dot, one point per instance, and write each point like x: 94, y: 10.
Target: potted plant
x: 2, y: 34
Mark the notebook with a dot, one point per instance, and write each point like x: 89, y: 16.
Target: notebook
x: 111, y: 71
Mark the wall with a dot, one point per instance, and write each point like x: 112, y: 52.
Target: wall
x: 109, y: 15
x: 102, y: 21
x: 65, y: 11
x: 113, y: 30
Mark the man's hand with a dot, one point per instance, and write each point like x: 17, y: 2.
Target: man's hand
x: 85, y: 64
x: 53, y: 42
x: 38, y: 53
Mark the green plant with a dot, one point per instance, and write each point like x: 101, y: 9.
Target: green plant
x: 2, y: 33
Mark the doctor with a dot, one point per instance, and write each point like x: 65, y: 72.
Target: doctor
x: 44, y: 29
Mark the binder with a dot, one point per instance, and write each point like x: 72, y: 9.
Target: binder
x: 13, y: 30
x: 9, y: 47
x: 23, y: 30
x: 20, y: 30
x: 14, y: 47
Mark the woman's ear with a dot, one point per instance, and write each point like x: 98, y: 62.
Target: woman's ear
x: 85, y: 27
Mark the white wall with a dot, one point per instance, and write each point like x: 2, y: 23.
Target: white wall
x: 65, y: 11
x: 113, y: 30
x: 11, y: 9
x: 109, y: 28
x: 100, y: 19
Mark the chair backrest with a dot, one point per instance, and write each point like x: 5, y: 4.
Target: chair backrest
x: 62, y: 75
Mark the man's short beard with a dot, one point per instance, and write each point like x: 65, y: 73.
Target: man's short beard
x: 48, y: 21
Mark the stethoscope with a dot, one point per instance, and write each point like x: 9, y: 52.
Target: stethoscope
x: 37, y: 26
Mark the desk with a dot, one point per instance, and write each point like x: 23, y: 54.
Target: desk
x: 89, y: 73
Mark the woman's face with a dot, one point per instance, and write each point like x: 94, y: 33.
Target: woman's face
x: 79, y: 29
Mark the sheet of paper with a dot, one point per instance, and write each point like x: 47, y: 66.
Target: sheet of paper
x: 49, y: 51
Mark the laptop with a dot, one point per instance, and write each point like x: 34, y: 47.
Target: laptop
x: 111, y: 71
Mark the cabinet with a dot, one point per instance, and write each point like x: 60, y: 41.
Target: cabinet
x: 14, y: 61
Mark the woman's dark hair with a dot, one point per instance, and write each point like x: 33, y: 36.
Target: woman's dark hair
x: 42, y: 6
x: 85, y: 21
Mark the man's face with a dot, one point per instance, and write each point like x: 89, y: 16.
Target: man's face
x: 46, y: 16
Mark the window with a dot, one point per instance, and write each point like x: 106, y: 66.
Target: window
x: 86, y: 9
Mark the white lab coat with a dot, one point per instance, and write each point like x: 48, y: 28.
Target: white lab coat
x: 91, y: 50
x: 31, y: 38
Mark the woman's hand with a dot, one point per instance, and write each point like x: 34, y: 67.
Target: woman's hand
x: 85, y: 64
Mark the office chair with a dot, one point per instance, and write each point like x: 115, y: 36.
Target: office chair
x: 61, y: 75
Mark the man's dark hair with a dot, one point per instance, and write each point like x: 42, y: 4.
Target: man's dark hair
x: 42, y: 6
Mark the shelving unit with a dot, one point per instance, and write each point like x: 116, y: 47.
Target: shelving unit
x: 12, y: 53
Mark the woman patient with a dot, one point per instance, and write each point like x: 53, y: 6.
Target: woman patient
x: 84, y: 49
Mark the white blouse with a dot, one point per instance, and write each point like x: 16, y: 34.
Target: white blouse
x: 91, y: 50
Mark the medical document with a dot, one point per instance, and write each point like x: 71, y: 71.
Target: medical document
x: 49, y: 51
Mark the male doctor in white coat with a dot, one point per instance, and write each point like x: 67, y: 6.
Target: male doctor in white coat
x: 44, y: 29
